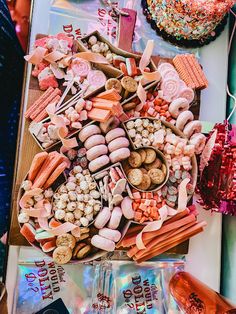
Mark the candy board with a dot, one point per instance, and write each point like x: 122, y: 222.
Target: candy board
x: 24, y: 143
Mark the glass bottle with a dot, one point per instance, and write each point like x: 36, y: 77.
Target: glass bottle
x: 194, y: 297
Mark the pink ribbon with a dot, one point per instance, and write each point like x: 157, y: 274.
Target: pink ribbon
x: 164, y: 212
x: 153, y: 76
x: 92, y: 57
x: 63, y: 228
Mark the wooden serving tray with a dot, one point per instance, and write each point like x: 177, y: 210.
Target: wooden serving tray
x: 27, y: 148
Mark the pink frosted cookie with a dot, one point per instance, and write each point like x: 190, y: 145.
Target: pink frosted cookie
x: 110, y: 234
x: 117, y: 143
x: 119, y: 154
x: 103, y: 243
x: 94, y: 140
x: 96, y: 151
x: 98, y: 163
x: 115, y: 218
x: 80, y: 67
x: 102, y: 218
x: 177, y: 106
x: 111, y: 135
x: 88, y: 131
x: 184, y: 118
x: 96, y: 78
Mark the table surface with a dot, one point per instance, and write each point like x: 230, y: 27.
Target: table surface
x: 204, y: 258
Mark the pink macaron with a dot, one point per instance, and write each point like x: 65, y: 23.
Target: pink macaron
x: 94, y: 140
x: 111, y: 135
x: 119, y: 154
x: 103, y: 243
x: 119, y: 142
x: 110, y: 234
x: 115, y: 219
x: 88, y: 131
x: 102, y: 218
x: 98, y: 163
x: 96, y: 151
x: 127, y: 208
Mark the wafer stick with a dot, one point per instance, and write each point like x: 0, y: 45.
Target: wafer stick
x: 198, y: 69
x: 48, y: 167
x: 167, y: 247
x: 44, y: 104
x: 43, y: 114
x: 190, y: 70
x: 55, y: 174
x: 150, y: 237
x: 186, y: 234
x: 36, y: 164
x: 182, y: 71
x: 41, y: 99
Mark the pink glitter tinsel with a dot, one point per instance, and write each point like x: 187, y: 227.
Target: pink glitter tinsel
x: 217, y: 185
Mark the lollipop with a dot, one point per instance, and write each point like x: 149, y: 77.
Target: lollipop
x: 80, y: 67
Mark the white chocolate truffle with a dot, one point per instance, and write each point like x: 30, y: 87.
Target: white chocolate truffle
x: 96, y: 48
x: 88, y: 210
x: 130, y: 125
x: 70, y: 186
x: 94, y: 194
x: 90, y: 217
x: 48, y: 193
x: 80, y: 177
x: 77, y: 213
x: 71, y: 206
x: 59, y: 214
x: 97, y: 207
x: 138, y: 122
x: 69, y: 217
x: 80, y: 197
x: 23, y: 218
x: 145, y: 133
x: 84, y: 221
x: 61, y: 205
x: 72, y: 195
x: 83, y: 185
x: 77, y: 169
x: 64, y: 197
x: 26, y: 185
x: 77, y: 223
x: 80, y: 206
x: 92, y: 40
x: 132, y: 133
x: 145, y: 123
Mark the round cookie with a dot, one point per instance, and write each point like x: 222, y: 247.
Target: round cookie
x: 145, y: 184
x: 135, y: 159
x: 129, y: 84
x: 62, y: 255
x: 66, y: 239
x: 151, y: 155
x: 113, y: 83
x: 144, y: 171
x: 143, y: 154
x: 135, y: 176
x: 156, y: 176
x: 154, y: 165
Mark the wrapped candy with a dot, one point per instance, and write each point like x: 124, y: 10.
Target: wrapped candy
x: 217, y: 184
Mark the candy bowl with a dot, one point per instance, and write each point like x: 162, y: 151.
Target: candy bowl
x: 146, y: 169
x: 60, y: 213
x: 99, y: 44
